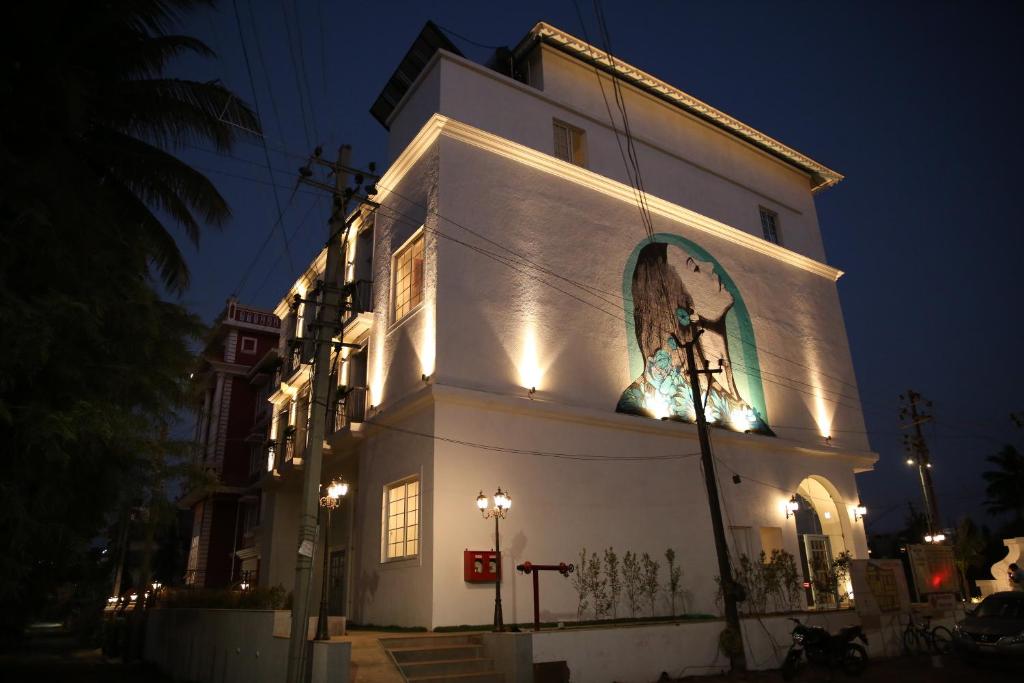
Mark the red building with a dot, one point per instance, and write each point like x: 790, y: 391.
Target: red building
x: 235, y: 376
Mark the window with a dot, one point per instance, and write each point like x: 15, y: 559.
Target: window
x: 771, y: 540
x: 569, y: 144
x: 248, y: 344
x: 408, y: 268
x: 402, y: 519
x: 770, y: 225
x: 741, y: 541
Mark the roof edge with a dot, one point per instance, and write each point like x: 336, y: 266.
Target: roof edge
x: 822, y: 176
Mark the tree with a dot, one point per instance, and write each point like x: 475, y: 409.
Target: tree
x: 651, y: 585
x: 632, y: 580
x: 95, y: 360
x: 613, y: 581
x: 675, y: 576
x: 1004, y: 489
x: 968, y: 549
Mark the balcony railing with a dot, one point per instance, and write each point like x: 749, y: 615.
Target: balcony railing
x: 350, y: 408
x: 357, y: 298
x: 252, y: 316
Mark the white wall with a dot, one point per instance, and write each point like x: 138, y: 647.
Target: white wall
x: 683, y: 160
x: 561, y: 505
x: 401, y: 591
x: 486, y: 310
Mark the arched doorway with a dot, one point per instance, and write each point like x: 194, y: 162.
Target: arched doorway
x: 820, y: 539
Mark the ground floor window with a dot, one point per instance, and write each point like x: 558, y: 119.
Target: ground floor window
x: 401, y: 519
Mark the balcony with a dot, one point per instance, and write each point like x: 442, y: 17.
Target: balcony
x: 357, y: 305
x: 252, y: 317
x: 351, y: 407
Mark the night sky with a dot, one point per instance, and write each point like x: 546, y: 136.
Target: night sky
x: 917, y: 104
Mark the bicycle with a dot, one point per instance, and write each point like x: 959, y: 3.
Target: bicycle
x: 919, y: 638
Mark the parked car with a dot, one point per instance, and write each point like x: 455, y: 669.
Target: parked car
x: 995, y: 628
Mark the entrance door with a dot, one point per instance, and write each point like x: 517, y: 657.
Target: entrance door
x: 818, y: 554
x: 336, y: 588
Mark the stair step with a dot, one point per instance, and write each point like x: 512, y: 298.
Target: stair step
x: 427, y: 641
x: 434, y: 653
x: 481, y: 677
x: 447, y: 666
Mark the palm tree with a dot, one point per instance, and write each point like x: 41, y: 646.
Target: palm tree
x: 1004, y: 490
x: 89, y: 116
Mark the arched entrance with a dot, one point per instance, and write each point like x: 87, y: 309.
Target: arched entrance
x: 820, y: 536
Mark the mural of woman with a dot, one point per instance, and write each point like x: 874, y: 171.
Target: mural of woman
x: 671, y: 291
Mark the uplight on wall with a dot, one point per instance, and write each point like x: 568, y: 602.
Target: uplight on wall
x: 530, y: 372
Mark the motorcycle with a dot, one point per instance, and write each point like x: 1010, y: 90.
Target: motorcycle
x: 814, y: 645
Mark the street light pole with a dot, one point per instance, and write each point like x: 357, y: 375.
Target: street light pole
x: 502, y: 502
x: 335, y: 491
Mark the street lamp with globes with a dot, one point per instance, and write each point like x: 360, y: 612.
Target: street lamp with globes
x: 336, y: 490
x: 502, y: 502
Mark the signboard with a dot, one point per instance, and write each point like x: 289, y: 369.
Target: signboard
x: 880, y: 587
x: 942, y: 602
x: 933, y: 568
x: 481, y: 566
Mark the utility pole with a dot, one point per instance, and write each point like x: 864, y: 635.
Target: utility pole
x: 737, y: 659
x: 324, y: 330
x: 918, y: 454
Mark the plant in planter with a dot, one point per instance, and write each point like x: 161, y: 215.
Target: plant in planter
x: 787, y: 584
x: 632, y: 581
x: 612, y: 578
x: 651, y: 585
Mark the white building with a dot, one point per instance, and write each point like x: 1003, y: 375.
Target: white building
x: 517, y: 303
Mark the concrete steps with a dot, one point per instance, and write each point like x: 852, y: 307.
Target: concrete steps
x: 442, y: 659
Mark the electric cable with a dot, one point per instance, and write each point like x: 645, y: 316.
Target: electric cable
x: 256, y: 106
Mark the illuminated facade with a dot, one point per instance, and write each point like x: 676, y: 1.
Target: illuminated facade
x: 512, y: 323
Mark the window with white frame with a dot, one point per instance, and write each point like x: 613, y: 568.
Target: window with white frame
x: 770, y: 225
x: 248, y: 344
x: 570, y: 143
x: 401, y: 519
x: 408, y: 278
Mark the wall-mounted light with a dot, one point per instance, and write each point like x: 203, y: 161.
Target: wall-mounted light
x: 935, y: 538
x: 531, y: 392
x: 792, y: 505
x: 859, y: 512
x: 828, y: 439
x: 828, y: 515
x: 425, y: 378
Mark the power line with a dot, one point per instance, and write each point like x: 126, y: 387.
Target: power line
x: 270, y: 234
x: 263, y: 68
x: 523, y: 451
x: 295, y: 73
x: 256, y: 105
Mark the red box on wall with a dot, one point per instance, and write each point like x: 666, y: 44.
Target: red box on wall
x: 481, y: 566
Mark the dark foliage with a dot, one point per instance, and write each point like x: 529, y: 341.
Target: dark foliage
x: 94, y: 359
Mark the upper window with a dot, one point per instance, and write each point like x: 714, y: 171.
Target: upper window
x: 248, y: 344
x: 402, y: 519
x: 770, y: 225
x: 408, y: 269
x: 570, y: 143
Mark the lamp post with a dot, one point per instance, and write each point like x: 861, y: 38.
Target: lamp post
x: 502, y: 502
x: 335, y: 491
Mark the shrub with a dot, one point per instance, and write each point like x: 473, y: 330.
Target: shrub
x: 611, y: 573
x: 675, y: 576
x: 579, y: 583
x: 650, y: 583
x: 210, y: 598
x: 632, y: 580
